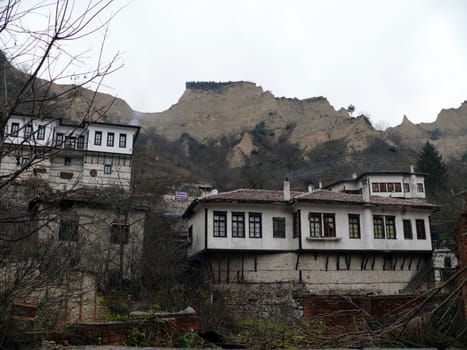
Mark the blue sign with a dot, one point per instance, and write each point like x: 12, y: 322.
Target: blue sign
x: 181, y: 196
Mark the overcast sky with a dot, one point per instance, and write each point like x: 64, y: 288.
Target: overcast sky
x: 388, y: 58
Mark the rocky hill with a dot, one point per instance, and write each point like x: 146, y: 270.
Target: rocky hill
x: 448, y: 133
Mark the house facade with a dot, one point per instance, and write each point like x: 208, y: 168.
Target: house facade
x: 68, y: 156
x: 328, y: 241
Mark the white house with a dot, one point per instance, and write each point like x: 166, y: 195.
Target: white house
x: 69, y: 156
x: 327, y: 239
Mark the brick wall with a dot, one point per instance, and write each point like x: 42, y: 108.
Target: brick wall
x: 350, y: 311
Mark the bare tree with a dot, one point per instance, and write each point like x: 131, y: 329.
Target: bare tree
x: 37, y: 64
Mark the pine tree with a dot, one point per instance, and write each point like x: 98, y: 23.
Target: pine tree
x: 431, y: 162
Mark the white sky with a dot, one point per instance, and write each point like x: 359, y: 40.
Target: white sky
x: 388, y: 58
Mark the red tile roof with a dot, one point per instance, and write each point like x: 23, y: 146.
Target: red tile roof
x: 318, y: 196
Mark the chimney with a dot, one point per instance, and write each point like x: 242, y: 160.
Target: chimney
x: 412, y: 169
x: 286, y: 189
x: 413, y: 181
x: 354, y: 175
x: 366, y: 191
x: 311, y: 188
x: 320, y: 185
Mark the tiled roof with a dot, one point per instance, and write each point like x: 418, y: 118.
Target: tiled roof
x: 249, y: 195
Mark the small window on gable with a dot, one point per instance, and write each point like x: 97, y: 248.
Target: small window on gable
x: 119, y: 233
x: 41, y: 132
x: 278, y: 227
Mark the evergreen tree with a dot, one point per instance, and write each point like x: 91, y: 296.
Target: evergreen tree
x: 431, y: 162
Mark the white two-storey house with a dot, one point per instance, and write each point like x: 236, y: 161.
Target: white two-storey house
x: 326, y: 239
x: 68, y: 156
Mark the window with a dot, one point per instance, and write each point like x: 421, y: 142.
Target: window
x: 107, y: 169
x: 190, y: 233
x: 375, y: 187
x: 329, y: 225
x: 322, y: 225
x: 238, y: 224
x: 119, y: 233
x: 80, y: 144
x: 122, y: 141
x: 406, y: 187
x: 27, y: 131
x: 59, y: 140
x: 386, y: 187
x: 24, y: 161
x: 296, y: 224
x: 67, y: 161
x: 343, y: 262
x: 384, y: 227
x: 407, y: 229
x: 420, y: 187
x: 110, y: 139
x: 68, y: 230
x: 420, y: 225
x: 41, y: 132
x: 98, y: 138
x: 255, y: 225
x: 390, y: 227
x: 378, y: 226
x: 315, y: 224
x: 278, y: 227
x: 220, y: 228
x: 70, y: 141
x: 14, y: 129
x: 354, y: 226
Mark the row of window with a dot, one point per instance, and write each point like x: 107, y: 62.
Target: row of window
x: 255, y: 226
x: 394, y: 187
x: 322, y: 225
x: 69, y: 141
x: 27, y: 131
x: 110, y: 139
x: 107, y: 167
x: 69, y: 230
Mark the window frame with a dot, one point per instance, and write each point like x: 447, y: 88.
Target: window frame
x: 14, y: 130
x: 278, y: 227
x: 122, y: 141
x: 238, y: 224
x: 406, y: 187
x: 219, y: 220
x: 119, y: 233
x: 107, y: 169
x: 354, y: 226
x: 408, y: 230
x: 329, y: 225
x: 41, y: 132
x: 67, y: 161
x: 390, y: 226
x: 378, y: 227
x: 420, y: 228
x: 98, y: 138
x: 420, y: 187
x: 255, y: 225
x: 69, y: 228
x: 80, y: 142
x: 110, y: 139
x: 316, y: 226
x: 27, y: 132
x: 59, y: 139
